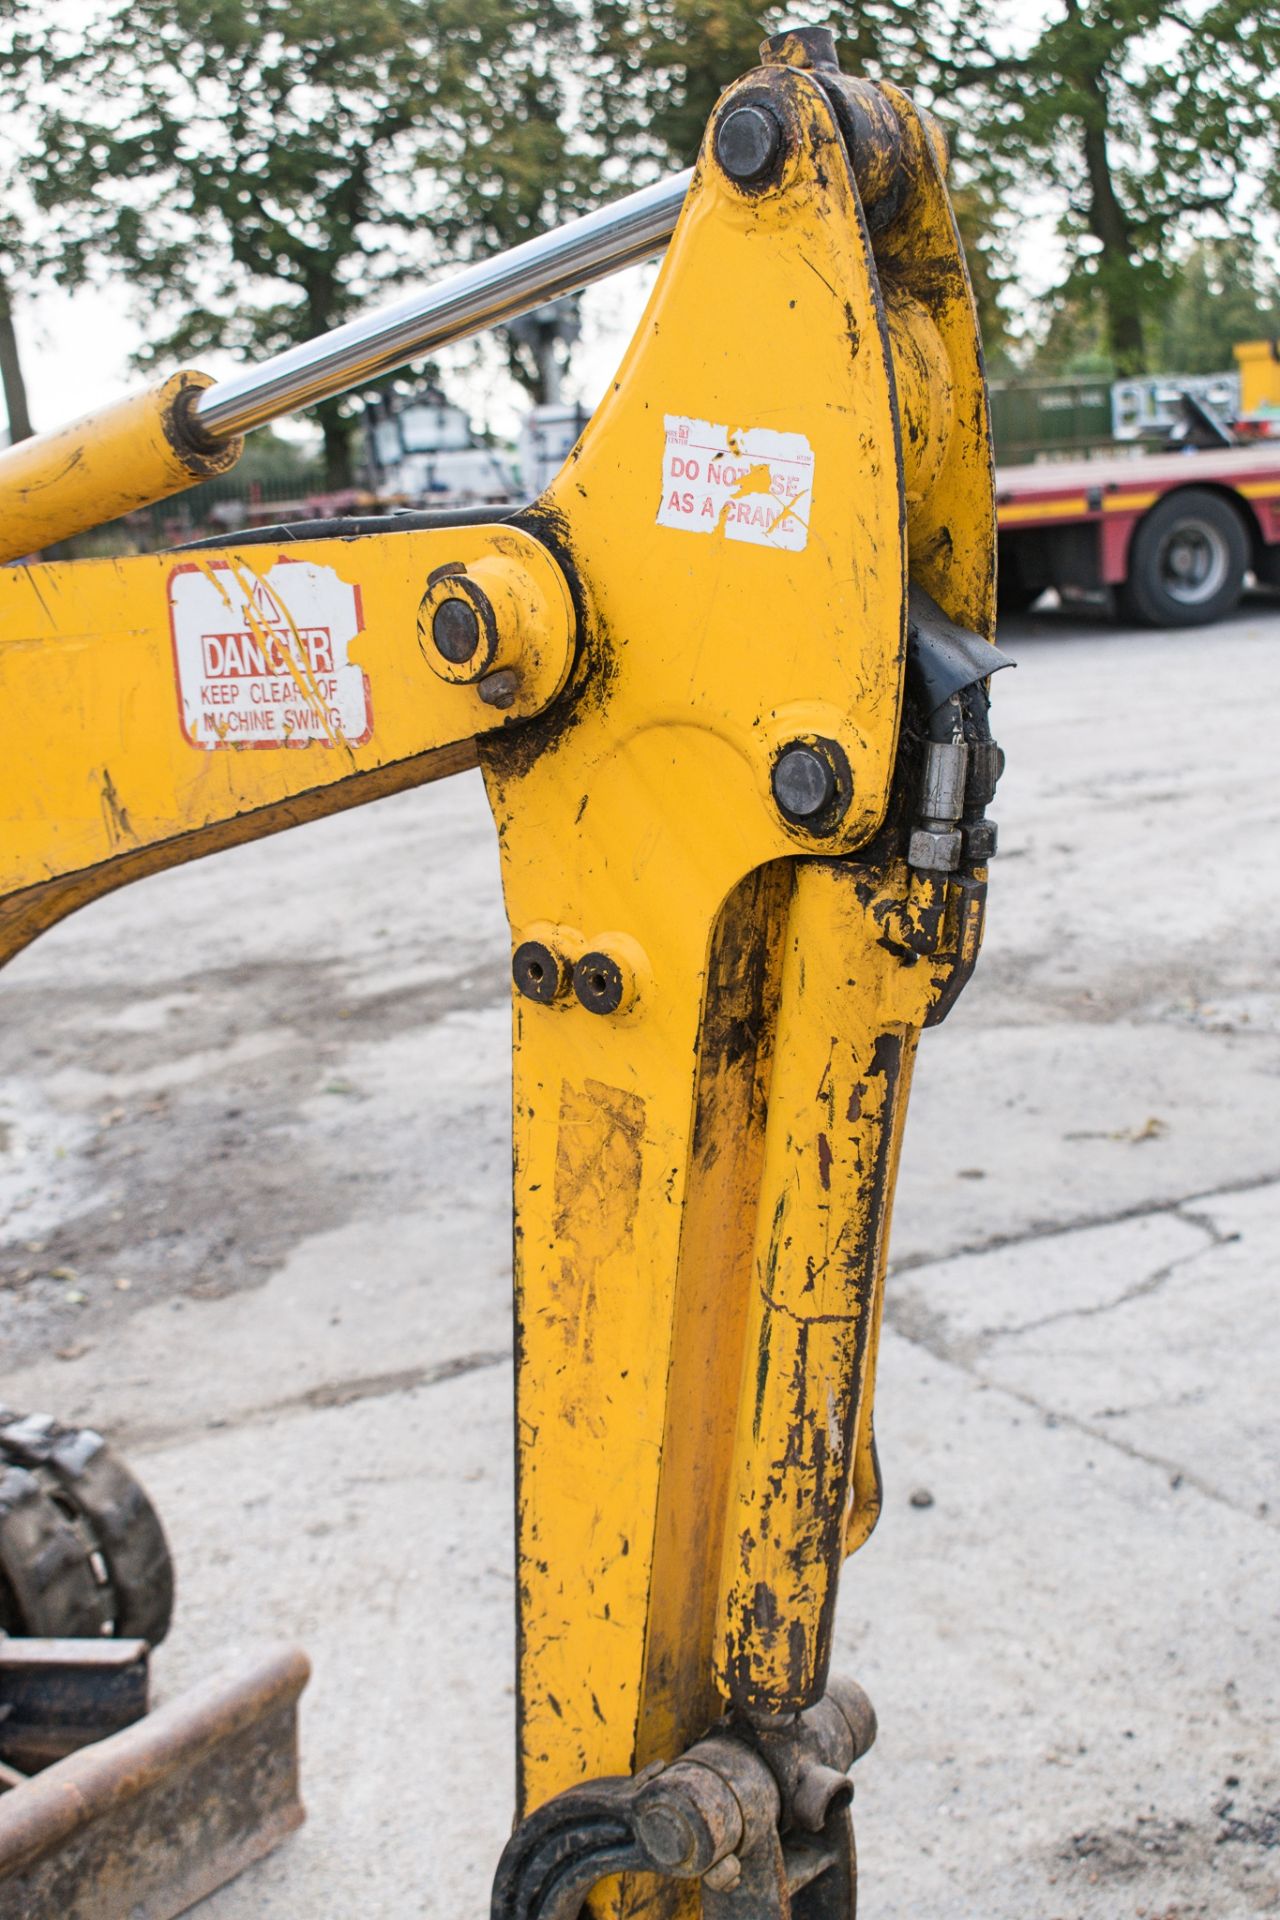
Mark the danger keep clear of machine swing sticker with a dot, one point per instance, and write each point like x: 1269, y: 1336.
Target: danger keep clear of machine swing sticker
x: 262, y: 659
x: 752, y: 483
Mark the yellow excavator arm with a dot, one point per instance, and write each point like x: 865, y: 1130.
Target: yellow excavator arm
x: 727, y: 683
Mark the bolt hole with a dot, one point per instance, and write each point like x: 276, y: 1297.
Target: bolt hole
x: 598, y: 983
x: 537, y: 972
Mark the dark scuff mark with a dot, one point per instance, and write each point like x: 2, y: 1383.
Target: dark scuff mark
x: 513, y: 752
x: 116, y: 815
x: 34, y: 585
x: 762, y: 1373
x: 797, y: 1660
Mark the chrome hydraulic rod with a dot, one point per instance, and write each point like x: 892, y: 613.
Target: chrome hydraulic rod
x: 481, y: 296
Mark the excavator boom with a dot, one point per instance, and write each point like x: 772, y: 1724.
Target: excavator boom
x: 727, y: 683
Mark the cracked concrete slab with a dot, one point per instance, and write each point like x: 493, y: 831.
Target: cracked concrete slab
x: 1016, y: 1128
x: 1180, y: 1368
x: 254, y: 1137
x: 377, y: 1534
x: 957, y: 1307
x: 1100, y: 1655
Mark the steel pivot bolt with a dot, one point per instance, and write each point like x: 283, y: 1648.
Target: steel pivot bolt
x: 455, y: 630
x: 748, y: 141
x: 812, y: 784
x: 668, y: 1833
x: 803, y: 782
x: 476, y: 623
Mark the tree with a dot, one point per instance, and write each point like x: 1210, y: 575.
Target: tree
x: 263, y: 168
x: 658, y: 69
x: 659, y: 66
x: 34, y: 254
x: 1148, y: 117
x: 18, y: 269
x: 1222, y: 293
x: 14, y: 386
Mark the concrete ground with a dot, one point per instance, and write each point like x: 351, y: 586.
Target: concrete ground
x: 255, y: 1120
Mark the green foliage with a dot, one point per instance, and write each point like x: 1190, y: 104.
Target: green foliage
x: 657, y: 68
x: 273, y: 460
x: 1150, y: 122
x: 33, y: 251
x: 263, y: 168
x: 1073, y: 339
x: 1222, y: 293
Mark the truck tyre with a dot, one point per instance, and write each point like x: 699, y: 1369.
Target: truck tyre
x: 1187, y: 561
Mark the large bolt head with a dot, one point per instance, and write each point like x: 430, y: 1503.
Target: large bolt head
x: 455, y: 631
x: 804, y: 782
x: 499, y: 689
x: 667, y: 1833
x: 539, y: 972
x: 748, y: 141
x: 599, y: 983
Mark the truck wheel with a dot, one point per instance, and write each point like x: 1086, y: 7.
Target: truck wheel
x: 1187, y: 561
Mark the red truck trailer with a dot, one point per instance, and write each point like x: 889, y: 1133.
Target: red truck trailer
x: 1173, y: 534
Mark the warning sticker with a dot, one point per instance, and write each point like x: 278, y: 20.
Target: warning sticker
x: 751, y: 483
x: 262, y: 660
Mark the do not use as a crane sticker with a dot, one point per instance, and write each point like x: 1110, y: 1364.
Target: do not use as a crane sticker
x: 748, y: 483
x: 262, y: 659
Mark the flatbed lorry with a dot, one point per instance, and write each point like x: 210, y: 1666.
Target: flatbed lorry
x: 1174, y: 536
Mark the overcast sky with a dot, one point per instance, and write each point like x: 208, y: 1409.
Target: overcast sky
x: 76, y: 347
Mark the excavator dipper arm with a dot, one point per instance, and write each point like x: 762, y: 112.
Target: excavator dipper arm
x: 726, y: 680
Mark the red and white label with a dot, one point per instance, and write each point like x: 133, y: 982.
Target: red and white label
x: 748, y: 483
x: 262, y: 658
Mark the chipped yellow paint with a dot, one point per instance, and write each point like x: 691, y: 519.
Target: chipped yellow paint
x: 648, y: 815
x: 951, y: 526
x: 642, y: 815
x: 843, y: 1055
